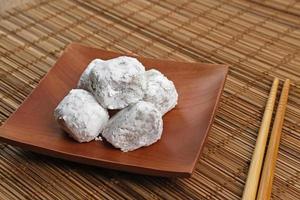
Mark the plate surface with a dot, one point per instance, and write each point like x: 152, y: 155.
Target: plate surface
x: 186, y: 127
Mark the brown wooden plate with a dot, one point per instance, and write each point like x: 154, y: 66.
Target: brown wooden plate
x: 186, y: 127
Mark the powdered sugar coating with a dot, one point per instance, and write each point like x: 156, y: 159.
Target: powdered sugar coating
x: 84, y: 81
x: 118, y: 82
x: 135, y: 126
x: 81, y: 116
x: 160, y: 91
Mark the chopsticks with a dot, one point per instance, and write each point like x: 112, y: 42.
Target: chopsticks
x: 258, y: 155
x: 265, y: 186
x: 266, y: 181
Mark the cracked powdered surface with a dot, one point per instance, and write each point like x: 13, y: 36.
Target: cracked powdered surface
x: 84, y: 81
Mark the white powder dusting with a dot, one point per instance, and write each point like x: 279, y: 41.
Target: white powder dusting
x: 118, y: 82
x: 135, y: 126
x: 81, y: 116
x: 84, y: 81
x: 99, y: 138
x: 160, y: 91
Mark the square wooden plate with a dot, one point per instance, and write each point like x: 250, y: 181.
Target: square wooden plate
x: 186, y: 127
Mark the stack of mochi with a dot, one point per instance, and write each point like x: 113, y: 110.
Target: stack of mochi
x: 141, y: 98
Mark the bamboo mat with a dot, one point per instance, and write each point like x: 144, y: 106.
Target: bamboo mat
x: 259, y: 39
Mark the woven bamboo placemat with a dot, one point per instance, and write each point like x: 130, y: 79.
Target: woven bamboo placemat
x: 259, y: 39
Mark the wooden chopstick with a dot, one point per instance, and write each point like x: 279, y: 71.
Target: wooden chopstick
x: 265, y: 186
x: 258, y: 155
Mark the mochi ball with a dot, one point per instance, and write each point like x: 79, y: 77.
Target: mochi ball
x: 81, y: 116
x: 160, y: 91
x: 118, y: 82
x: 135, y: 126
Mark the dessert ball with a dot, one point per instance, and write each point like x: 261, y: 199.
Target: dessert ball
x: 135, y: 126
x: 118, y: 82
x: 81, y: 116
x: 160, y: 91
